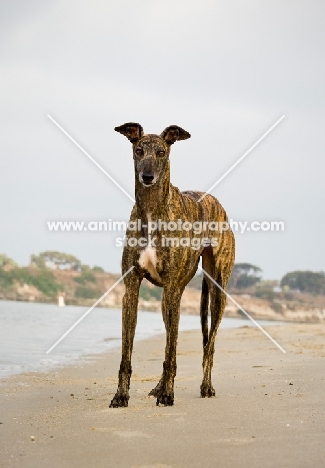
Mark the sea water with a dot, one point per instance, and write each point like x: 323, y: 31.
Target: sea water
x: 28, y: 330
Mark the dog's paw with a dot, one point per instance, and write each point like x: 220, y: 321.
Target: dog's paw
x: 164, y: 398
x: 207, y: 391
x: 119, y: 401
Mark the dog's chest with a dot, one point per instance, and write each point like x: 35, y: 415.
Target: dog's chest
x: 148, y: 261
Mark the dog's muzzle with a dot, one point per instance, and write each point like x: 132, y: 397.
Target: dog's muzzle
x: 147, y: 179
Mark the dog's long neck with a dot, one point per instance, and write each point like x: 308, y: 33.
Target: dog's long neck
x: 152, y: 201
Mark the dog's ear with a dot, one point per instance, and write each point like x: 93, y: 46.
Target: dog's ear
x: 132, y: 131
x: 174, y: 133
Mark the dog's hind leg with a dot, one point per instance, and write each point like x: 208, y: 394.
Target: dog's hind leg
x: 217, y: 307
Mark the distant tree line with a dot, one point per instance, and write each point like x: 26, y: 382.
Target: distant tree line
x: 53, y: 259
x: 62, y: 261
x: 40, y: 274
x: 244, y: 277
x: 305, y: 281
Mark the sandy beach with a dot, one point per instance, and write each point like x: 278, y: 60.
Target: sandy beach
x: 268, y: 410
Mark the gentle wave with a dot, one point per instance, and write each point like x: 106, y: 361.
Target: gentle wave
x: 28, y: 330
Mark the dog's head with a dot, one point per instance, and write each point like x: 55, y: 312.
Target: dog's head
x: 151, y: 152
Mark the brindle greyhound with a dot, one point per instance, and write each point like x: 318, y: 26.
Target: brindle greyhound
x: 170, y: 267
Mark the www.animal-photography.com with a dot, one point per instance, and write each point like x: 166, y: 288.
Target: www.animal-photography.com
x: 162, y: 278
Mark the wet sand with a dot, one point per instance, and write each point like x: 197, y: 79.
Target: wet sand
x: 268, y: 410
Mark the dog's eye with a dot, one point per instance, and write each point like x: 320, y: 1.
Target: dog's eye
x: 161, y: 154
x: 139, y: 152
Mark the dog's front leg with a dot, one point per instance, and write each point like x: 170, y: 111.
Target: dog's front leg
x: 165, y: 389
x: 129, y: 321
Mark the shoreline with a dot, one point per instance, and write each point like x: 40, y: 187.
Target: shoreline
x: 229, y: 313
x: 96, y: 335
x: 268, y: 409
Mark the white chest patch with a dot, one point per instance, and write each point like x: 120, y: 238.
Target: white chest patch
x: 148, y: 261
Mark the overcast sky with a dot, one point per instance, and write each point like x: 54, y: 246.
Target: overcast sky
x: 223, y: 70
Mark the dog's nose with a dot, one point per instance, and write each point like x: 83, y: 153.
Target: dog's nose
x: 147, y: 178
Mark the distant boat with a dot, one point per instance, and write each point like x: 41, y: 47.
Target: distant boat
x: 61, y: 301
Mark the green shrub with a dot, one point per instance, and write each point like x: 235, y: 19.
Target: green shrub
x: 6, y: 279
x: 43, y: 280
x: 46, y: 283
x: 84, y: 292
x: 305, y: 281
x: 241, y: 313
x: 148, y: 293
x: 85, y: 277
x: 5, y: 260
x: 265, y: 293
x: 277, y: 307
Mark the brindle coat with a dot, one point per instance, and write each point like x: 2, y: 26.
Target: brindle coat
x: 170, y: 267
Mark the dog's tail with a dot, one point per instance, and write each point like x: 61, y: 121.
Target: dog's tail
x: 204, y: 311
